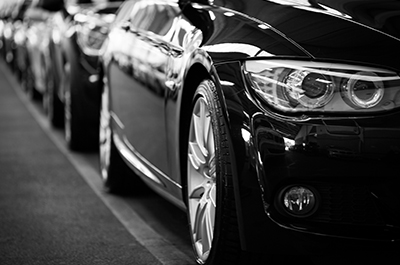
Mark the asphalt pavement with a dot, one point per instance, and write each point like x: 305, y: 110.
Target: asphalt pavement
x: 48, y: 213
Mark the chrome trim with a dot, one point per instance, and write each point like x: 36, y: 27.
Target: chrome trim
x: 117, y: 120
x: 133, y: 158
x: 140, y: 163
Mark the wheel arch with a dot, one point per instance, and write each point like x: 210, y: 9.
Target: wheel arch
x: 193, y: 78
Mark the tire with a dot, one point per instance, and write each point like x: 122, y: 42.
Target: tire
x: 28, y: 84
x: 80, y: 119
x: 210, y: 194
x: 52, y: 103
x: 117, y: 177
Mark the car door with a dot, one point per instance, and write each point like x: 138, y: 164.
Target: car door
x: 137, y: 80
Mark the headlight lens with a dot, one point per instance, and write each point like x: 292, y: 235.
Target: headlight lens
x: 303, y: 86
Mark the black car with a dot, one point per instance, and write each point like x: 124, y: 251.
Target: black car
x: 72, y: 96
x: 32, y: 50
x: 275, y: 124
x: 11, y: 17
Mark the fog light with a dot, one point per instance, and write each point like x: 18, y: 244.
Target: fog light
x: 299, y: 201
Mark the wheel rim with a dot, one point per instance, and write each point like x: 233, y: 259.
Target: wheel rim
x: 201, y: 180
x: 105, y: 142
x: 67, y: 102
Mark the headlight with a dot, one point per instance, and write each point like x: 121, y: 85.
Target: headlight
x: 304, y: 86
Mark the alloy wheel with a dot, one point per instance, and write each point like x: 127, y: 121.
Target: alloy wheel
x: 201, y: 179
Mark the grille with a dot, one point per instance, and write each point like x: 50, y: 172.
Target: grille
x: 347, y: 204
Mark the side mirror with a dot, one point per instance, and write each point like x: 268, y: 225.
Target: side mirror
x: 51, y: 5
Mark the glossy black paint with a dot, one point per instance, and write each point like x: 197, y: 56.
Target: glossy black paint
x: 68, y: 29
x: 351, y: 161
x: 363, y: 31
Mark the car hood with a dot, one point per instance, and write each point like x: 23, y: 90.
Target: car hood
x: 346, y: 30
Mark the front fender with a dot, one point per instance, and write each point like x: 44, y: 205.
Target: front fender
x: 254, y: 224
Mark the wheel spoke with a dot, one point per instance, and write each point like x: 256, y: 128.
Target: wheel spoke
x: 200, y: 122
x: 209, y: 223
x: 195, y: 155
x: 213, y: 196
x: 204, y: 226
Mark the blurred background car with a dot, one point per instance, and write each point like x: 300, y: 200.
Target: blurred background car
x: 26, y: 32
x: 33, y: 40
x: 72, y: 96
x: 11, y: 16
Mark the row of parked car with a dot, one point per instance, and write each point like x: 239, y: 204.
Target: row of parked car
x: 53, y: 48
x: 274, y: 124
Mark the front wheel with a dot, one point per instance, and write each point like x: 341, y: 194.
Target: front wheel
x: 80, y: 111
x: 52, y: 103
x: 210, y: 192
x: 28, y: 84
